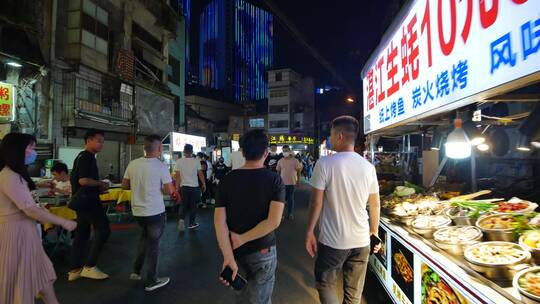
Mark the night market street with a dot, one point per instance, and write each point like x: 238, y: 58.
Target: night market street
x: 190, y: 258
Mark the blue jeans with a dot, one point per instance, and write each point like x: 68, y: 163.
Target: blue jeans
x: 330, y: 262
x: 152, y: 230
x: 260, y: 271
x: 289, y: 197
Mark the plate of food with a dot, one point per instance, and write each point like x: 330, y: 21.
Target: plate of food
x: 454, y: 239
x: 436, y: 290
x: 426, y: 225
x: 530, y: 239
x: 497, y: 260
x: 527, y: 282
x: 403, y: 267
x: 498, y: 227
x: 515, y: 205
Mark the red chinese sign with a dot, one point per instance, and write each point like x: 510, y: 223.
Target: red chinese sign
x: 444, y: 51
x: 7, y: 97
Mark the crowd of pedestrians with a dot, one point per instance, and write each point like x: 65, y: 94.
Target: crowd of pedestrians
x: 251, y: 200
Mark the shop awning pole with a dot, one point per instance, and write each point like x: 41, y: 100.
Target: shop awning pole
x: 474, y: 186
x: 439, y: 170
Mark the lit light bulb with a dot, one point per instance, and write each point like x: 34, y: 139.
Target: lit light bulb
x: 457, y: 145
x: 483, y: 147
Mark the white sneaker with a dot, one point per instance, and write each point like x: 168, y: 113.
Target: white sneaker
x: 93, y: 273
x: 135, y: 277
x: 181, y: 226
x: 74, y: 275
x: 157, y: 284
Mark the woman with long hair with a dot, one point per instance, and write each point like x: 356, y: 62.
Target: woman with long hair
x: 25, y: 270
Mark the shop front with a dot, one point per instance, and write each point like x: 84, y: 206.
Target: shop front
x: 453, y: 90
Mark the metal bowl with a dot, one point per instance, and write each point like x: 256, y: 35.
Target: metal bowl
x: 526, y: 297
x: 505, y: 271
x: 535, y: 252
x: 406, y: 220
x: 387, y: 211
x: 460, y: 220
x: 427, y: 232
x: 502, y: 235
x: 458, y: 247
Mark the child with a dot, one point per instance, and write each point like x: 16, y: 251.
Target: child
x: 60, y: 184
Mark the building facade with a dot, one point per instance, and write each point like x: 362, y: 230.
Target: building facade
x: 235, y: 49
x: 178, y: 62
x: 291, y: 100
x: 70, y: 65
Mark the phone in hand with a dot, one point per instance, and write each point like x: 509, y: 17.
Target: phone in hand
x: 374, y: 241
x: 238, y: 284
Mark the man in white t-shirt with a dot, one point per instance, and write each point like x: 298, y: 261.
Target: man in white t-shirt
x: 146, y: 177
x: 188, y: 174
x: 344, y: 186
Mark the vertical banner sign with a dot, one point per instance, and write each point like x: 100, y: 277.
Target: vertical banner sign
x: 7, y: 100
x: 444, y: 51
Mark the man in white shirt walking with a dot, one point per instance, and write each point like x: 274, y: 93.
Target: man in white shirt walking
x: 188, y: 174
x: 342, y: 186
x: 146, y: 177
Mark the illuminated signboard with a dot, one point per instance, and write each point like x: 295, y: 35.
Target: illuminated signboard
x: 283, y: 139
x: 442, y: 54
x: 7, y: 101
x: 179, y: 140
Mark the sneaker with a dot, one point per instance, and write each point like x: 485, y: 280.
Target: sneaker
x: 93, y: 273
x: 181, y: 226
x: 193, y: 226
x: 291, y: 217
x: 212, y: 201
x: 160, y: 282
x: 135, y: 277
x: 74, y: 275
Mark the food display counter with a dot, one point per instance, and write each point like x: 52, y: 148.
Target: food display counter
x: 448, y: 73
x: 460, y: 250
x: 414, y: 270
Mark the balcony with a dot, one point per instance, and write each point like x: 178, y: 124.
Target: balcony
x: 88, y: 103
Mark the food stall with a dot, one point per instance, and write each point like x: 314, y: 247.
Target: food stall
x: 461, y: 79
x: 174, y: 142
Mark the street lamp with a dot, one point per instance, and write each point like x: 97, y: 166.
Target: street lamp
x: 349, y: 100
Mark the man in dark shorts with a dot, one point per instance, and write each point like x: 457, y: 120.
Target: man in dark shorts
x: 249, y: 208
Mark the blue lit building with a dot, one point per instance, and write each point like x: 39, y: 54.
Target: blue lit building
x: 236, y: 49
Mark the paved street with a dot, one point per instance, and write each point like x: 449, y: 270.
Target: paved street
x: 192, y: 260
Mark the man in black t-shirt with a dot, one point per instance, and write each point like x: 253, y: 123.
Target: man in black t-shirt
x: 85, y: 178
x: 249, y: 208
x: 272, y: 158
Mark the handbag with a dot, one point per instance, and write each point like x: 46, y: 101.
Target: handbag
x: 80, y: 200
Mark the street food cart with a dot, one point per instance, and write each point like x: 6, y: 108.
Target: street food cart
x: 458, y: 81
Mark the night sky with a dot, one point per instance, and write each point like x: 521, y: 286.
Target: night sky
x: 345, y: 32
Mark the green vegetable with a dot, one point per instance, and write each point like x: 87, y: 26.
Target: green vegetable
x: 404, y: 191
x: 416, y: 188
x: 523, y: 222
x: 476, y: 207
